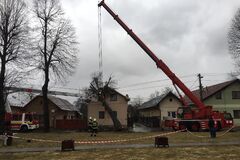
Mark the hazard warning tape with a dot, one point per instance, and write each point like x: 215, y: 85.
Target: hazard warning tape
x: 208, y: 136
x: 127, y: 140
x: 100, y: 141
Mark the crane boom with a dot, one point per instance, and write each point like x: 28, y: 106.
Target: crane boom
x: 160, y: 64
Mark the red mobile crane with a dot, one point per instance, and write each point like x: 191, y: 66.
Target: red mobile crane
x: 188, y: 117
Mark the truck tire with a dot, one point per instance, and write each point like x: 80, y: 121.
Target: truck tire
x: 195, y: 127
x: 24, y: 128
x: 219, y: 126
x: 182, y: 126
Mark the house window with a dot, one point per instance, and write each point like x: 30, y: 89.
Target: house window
x: 172, y: 114
x: 218, y: 95
x: 17, y: 117
x: 115, y: 113
x: 236, y: 114
x: 101, y: 114
x: 113, y: 97
x: 235, y: 94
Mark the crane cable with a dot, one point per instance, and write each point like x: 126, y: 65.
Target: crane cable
x: 100, y: 39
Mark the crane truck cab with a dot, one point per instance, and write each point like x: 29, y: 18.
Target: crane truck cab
x: 188, y: 118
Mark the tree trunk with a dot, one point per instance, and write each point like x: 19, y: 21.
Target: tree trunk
x: 45, y: 86
x: 117, y: 124
x: 45, y: 103
x: 2, y: 99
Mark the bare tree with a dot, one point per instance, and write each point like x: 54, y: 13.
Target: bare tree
x: 13, y: 42
x: 57, y: 46
x: 137, y: 102
x: 101, y: 90
x: 154, y: 95
x: 162, y: 92
x: 234, y: 40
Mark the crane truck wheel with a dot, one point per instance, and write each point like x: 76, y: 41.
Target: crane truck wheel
x: 182, y: 126
x: 219, y: 126
x: 195, y: 127
x: 24, y: 128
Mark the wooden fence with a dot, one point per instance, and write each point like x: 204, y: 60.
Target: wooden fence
x: 71, y: 124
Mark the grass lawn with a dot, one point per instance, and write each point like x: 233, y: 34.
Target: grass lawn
x: 145, y: 138
x: 172, y: 153
x: 183, y: 153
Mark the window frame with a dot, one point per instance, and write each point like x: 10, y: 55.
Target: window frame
x: 101, y: 114
x: 113, y: 97
x: 236, y: 114
x: 218, y: 95
x: 115, y: 113
x: 235, y: 94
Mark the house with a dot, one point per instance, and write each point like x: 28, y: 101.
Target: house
x: 117, y: 102
x: 154, y: 111
x: 223, y: 97
x: 59, y: 109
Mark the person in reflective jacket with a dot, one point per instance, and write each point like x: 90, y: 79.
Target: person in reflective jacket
x: 94, y: 127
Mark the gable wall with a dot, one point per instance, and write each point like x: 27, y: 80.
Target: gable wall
x: 120, y: 106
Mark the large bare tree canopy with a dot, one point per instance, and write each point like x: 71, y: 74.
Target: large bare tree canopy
x: 13, y: 44
x: 234, y: 40
x: 56, y: 47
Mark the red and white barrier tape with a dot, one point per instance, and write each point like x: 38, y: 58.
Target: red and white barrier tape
x: 100, y: 141
x: 208, y: 136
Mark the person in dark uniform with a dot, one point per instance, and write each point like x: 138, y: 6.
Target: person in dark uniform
x: 90, y: 121
x: 212, y: 129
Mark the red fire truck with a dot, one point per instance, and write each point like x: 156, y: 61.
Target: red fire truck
x: 20, y: 121
x: 24, y: 121
x: 193, y: 118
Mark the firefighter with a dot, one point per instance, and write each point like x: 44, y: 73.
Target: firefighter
x: 211, y: 126
x: 94, y: 127
x: 90, y: 121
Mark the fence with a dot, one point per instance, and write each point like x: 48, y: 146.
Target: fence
x: 71, y: 124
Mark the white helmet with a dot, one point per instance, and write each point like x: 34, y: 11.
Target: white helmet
x: 94, y: 119
x: 90, y: 117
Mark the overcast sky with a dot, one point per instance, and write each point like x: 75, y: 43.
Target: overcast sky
x: 190, y: 36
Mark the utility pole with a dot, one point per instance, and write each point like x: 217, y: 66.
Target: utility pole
x: 200, y: 86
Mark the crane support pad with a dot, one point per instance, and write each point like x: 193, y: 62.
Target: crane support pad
x: 161, y: 141
x: 67, y: 145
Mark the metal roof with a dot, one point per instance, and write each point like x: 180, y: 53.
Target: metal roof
x: 155, y: 101
x: 62, y: 103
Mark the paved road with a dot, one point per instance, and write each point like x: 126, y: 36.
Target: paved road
x: 112, y: 146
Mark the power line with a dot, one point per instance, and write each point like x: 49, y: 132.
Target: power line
x: 155, y: 81
x: 166, y: 85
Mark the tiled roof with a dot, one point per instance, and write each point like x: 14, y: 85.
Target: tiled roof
x: 155, y: 101
x: 210, y: 90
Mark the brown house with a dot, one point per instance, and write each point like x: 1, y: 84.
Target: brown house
x: 118, y: 103
x: 59, y: 109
